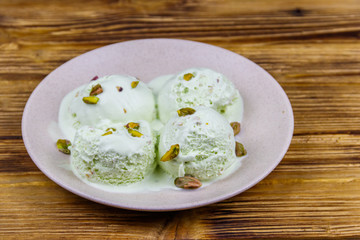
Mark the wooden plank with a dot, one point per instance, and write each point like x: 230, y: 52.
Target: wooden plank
x: 14, y: 157
x: 284, y: 204
x: 98, y: 23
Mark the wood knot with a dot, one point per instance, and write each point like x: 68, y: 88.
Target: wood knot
x: 298, y: 12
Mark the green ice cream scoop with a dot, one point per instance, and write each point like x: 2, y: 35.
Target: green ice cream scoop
x: 205, y: 141
x: 113, y: 154
x: 199, y: 87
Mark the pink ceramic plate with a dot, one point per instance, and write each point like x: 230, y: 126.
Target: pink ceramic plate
x: 267, y: 125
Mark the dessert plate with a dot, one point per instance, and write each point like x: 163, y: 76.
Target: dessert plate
x: 267, y: 125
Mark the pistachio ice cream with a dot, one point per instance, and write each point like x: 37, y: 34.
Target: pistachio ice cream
x: 199, y: 142
x: 114, y: 98
x: 116, y: 133
x: 114, y: 154
x: 199, y: 87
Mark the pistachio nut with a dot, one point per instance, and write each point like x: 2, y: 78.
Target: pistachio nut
x: 240, y: 150
x: 185, y: 111
x: 63, y: 145
x: 134, y: 133
x: 188, y: 76
x: 90, y: 100
x: 107, y: 133
x: 134, y: 84
x: 187, y: 182
x: 132, y: 125
x: 171, y: 153
x: 236, y: 127
x: 97, y: 89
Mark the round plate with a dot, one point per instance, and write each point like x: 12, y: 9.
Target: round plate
x: 267, y: 125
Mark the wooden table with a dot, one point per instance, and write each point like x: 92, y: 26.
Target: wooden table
x: 311, y: 47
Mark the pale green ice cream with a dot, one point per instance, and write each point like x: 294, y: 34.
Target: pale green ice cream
x: 199, y: 87
x: 119, y: 102
x: 113, y: 159
x: 206, y: 141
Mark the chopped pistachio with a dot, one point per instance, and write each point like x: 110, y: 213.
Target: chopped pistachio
x: 63, y: 145
x: 240, y: 150
x: 171, y: 153
x: 132, y: 125
x: 185, y: 111
x: 124, y: 110
x: 187, y: 182
x: 90, y: 100
x: 134, y: 84
x: 119, y: 88
x: 94, y: 78
x: 97, y: 89
x: 188, y: 76
x: 134, y: 133
x: 107, y: 133
x: 236, y: 127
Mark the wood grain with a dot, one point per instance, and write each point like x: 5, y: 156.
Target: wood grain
x: 311, y: 47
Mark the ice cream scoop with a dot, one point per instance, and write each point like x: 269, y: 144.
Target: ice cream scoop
x: 199, y: 87
x: 114, y: 98
x: 114, y: 154
x: 199, y: 142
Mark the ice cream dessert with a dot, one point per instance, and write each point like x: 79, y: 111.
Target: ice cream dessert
x: 113, y: 154
x: 198, y: 141
x: 199, y: 87
x: 116, y: 134
x: 114, y: 98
